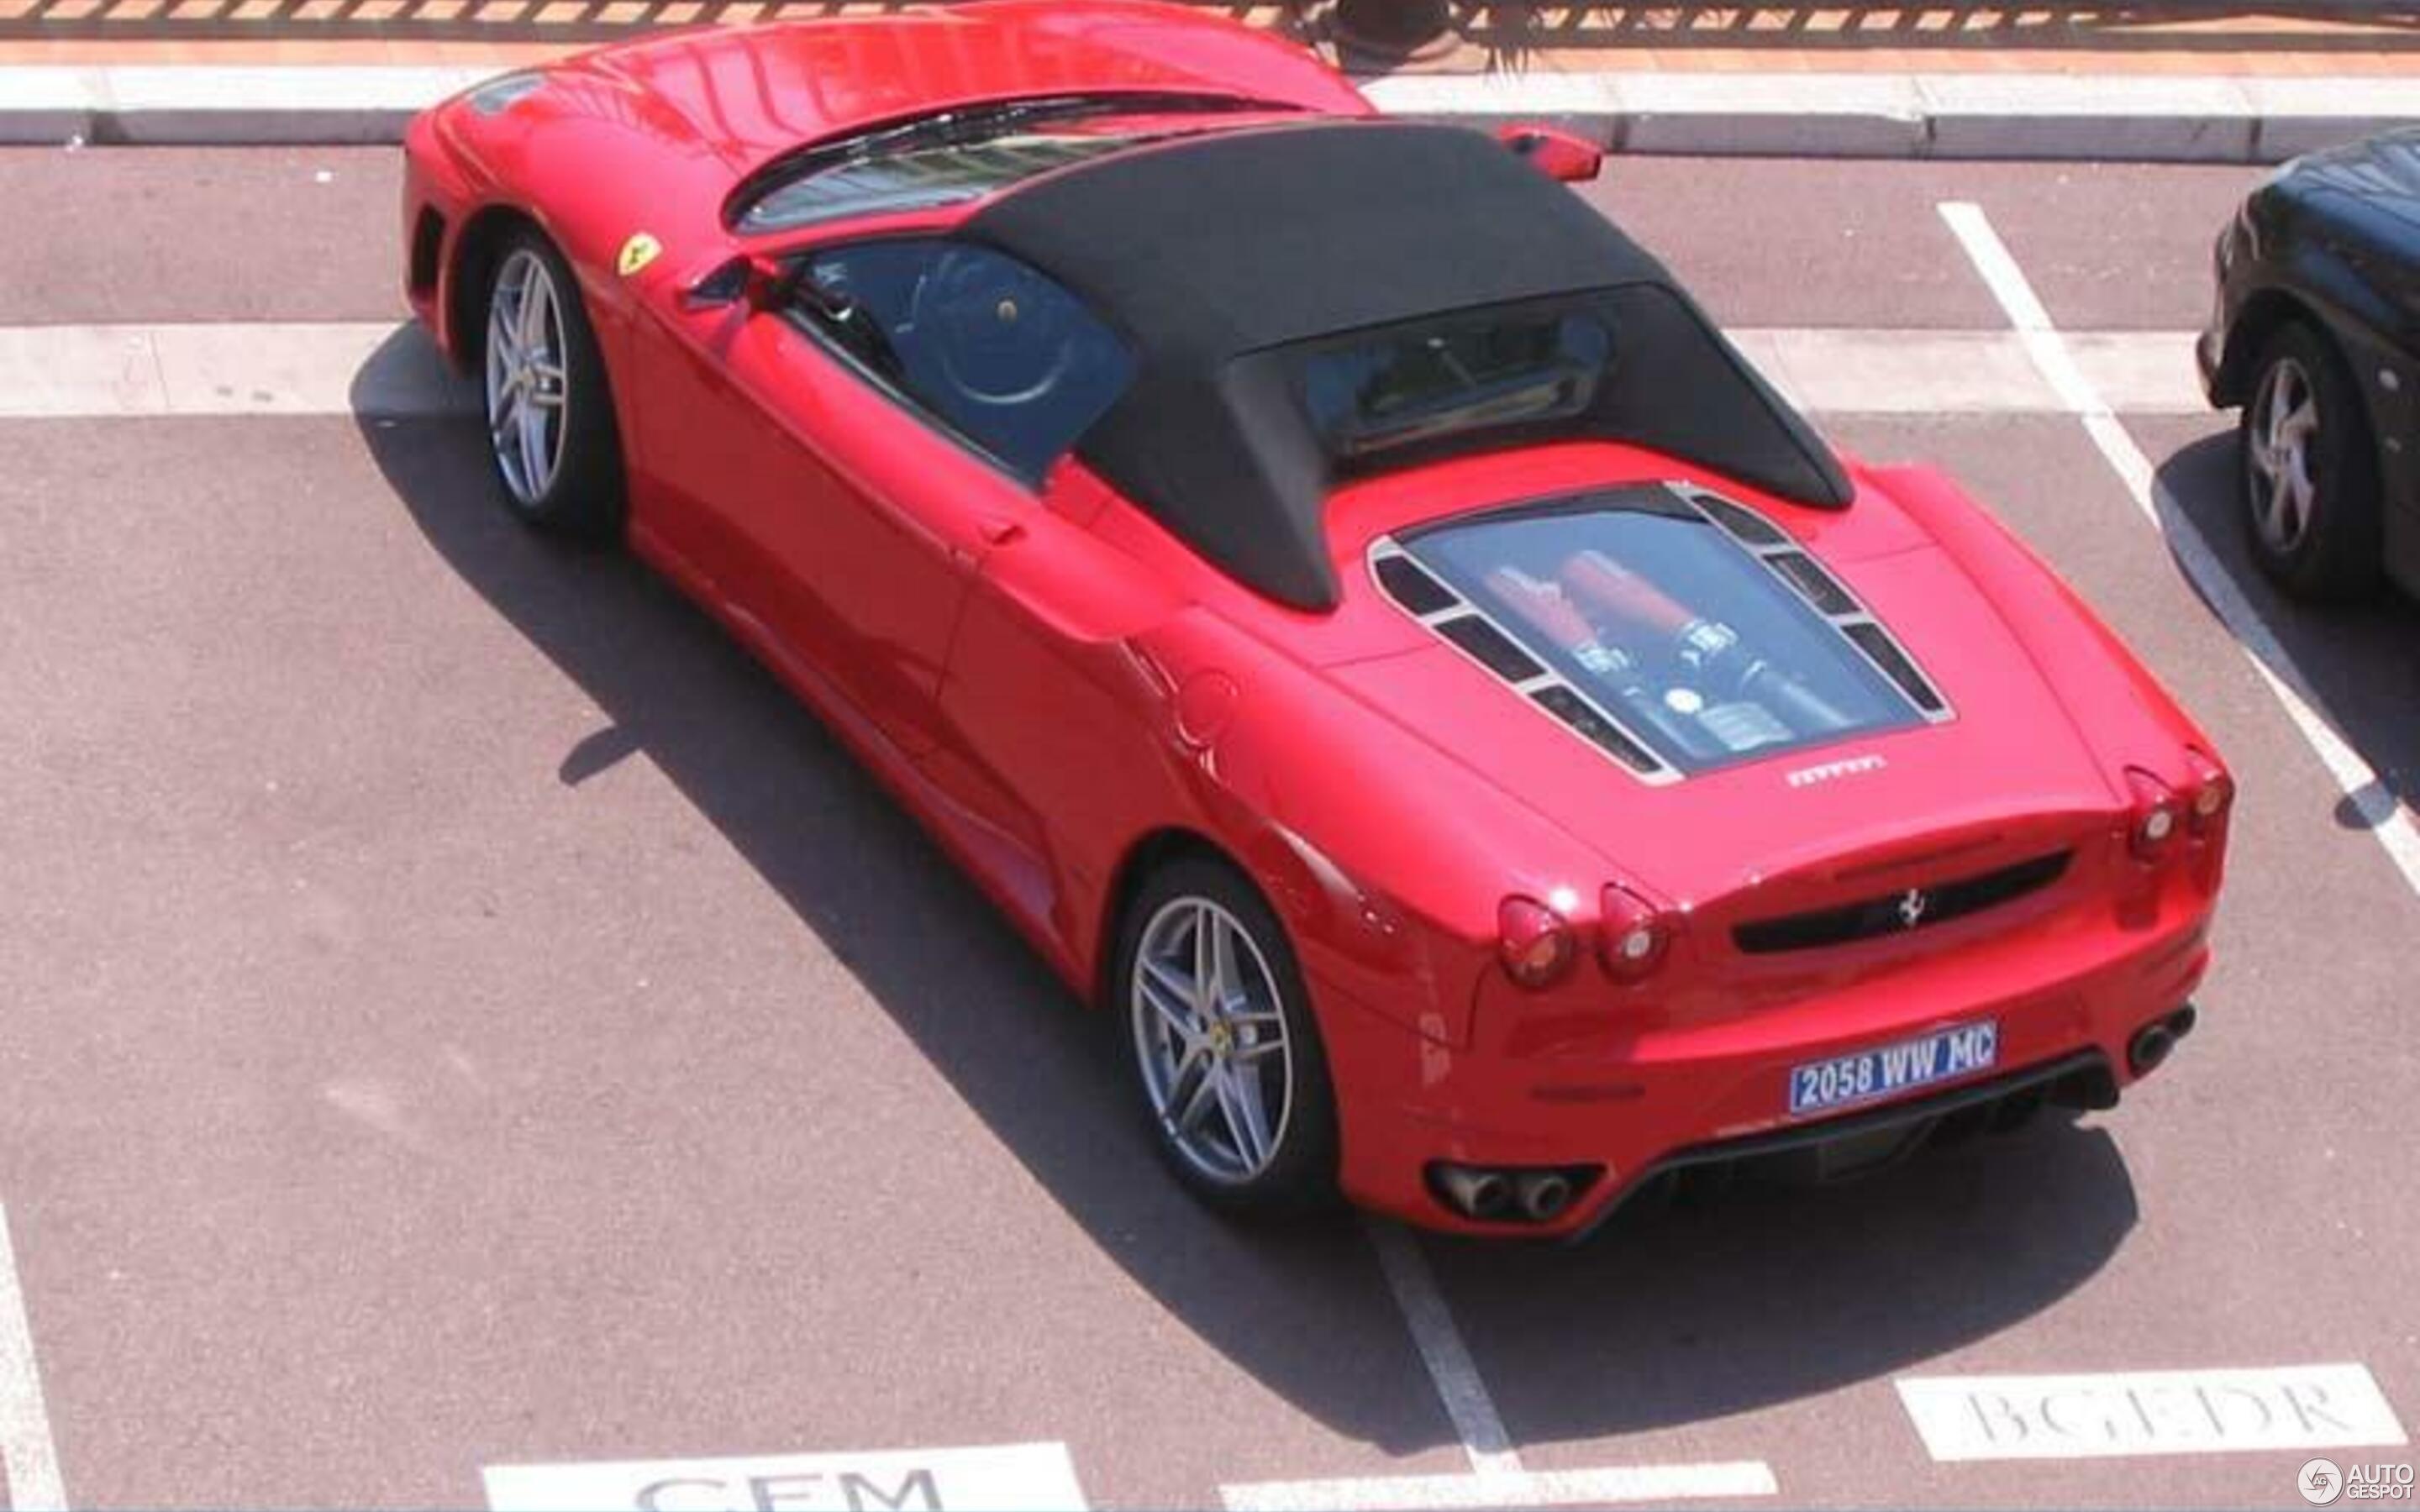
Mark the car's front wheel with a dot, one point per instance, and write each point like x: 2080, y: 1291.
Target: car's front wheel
x: 1222, y: 1042
x: 550, y: 428
x: 2310, y: 476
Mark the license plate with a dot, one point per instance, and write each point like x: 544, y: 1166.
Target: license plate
x: 1823, y: 1085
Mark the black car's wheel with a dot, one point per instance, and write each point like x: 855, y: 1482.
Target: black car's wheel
x: 2310, y: 472
x: 1217, y: 1027
x: 550, y: 429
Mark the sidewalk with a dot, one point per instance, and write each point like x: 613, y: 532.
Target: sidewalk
x: 1940, y: 81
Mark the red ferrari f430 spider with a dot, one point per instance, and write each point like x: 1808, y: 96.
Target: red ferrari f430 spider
x: 1337, y: 595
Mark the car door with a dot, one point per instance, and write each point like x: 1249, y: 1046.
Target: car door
x: 1051, y: 739
x: 831, y: 475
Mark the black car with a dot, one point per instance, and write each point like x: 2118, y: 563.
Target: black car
x: 2316, y: 332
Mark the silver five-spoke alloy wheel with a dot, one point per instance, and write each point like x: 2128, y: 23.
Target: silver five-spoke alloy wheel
x: 1211, y: 1041
x: 2285, y: 428
x: 528, y: 399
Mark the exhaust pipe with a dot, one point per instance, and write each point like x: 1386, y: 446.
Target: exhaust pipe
x: 1477, y: 1192
x: 2153, y: 1041
x: 2152, y: 1045
x: 1544, y: 1195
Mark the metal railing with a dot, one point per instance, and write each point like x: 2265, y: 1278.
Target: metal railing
x: 1503, y: 31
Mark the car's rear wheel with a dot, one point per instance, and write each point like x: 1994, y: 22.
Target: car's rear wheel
x: 1220, y: 1033
x: 550, y: 429
x: 2310, y: 474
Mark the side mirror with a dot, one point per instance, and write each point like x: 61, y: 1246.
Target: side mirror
x: 751, y: 279
x: 1555, y: 152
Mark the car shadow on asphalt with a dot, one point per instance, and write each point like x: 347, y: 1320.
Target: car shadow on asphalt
x: 1764, y: 1295
x: 1761, y: 1298
x: 2355, y: 661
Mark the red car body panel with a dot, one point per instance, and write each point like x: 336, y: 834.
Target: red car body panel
x: 1057, y: 685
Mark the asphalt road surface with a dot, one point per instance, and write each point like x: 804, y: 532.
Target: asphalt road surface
x: 460, y: 1014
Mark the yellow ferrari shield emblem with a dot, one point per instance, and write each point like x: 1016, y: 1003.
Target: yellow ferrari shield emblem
x: 640, y: 250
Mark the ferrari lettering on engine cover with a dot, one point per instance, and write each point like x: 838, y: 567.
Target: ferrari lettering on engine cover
x: 1807, y: 776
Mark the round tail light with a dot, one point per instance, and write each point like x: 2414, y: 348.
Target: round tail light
x: 1636, y: 936
x: 1533, y: 941
x: 2214, y: 793
x: 2158, y: 820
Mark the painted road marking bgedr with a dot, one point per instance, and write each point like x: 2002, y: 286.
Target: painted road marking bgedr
x: 1009, y: 1477
x: 2148, y: 1413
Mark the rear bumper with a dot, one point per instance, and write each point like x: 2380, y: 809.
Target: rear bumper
x: 2209, y: 351
x: 1721, y: 1096
x: 1855, y: 1143
x: 2220, y: 383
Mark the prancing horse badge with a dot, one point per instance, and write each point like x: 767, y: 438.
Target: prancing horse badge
x: 1912, y: 904
x: 640, y: 250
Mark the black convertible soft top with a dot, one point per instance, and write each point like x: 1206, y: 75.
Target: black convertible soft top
x: 1212, y: 255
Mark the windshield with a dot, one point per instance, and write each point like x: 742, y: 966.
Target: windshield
x: 955, y: 156
x: 1688, y: 639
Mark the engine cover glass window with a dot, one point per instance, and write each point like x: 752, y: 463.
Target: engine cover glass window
x: 1668, y: 625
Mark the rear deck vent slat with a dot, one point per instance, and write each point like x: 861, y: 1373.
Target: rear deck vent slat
x: 1744, y: 524
x: 1409, y: 584
x: 1877, y: 644
x: 1818, y: 585
x: 1494, y: 649
x: 1572, y: 710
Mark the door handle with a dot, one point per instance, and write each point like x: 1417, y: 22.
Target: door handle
x: 1001, y: 531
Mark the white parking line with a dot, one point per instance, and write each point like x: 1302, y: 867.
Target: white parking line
x: 252, y: 368
x: 1450, y: 1365
x: 2358, y: 782
x: 1496, y: 1477
x: 1546, y: 1487
x: 377, y: 368
x: 26, y: 1452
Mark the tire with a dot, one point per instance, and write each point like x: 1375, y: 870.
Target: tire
x: 551, y: 435
x: 1291, y: 1166
x: 2310, y: 488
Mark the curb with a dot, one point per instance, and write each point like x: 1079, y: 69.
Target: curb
x: 1963, y: 115
x: 1952, y: 115
x: 211, y: 106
